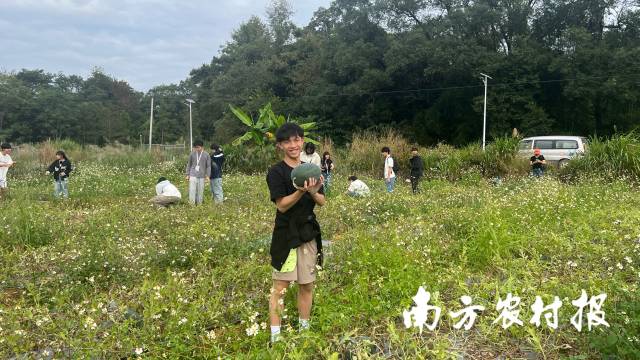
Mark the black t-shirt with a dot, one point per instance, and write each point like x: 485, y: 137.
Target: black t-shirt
x: 537, y: 165
x: 295, y: 226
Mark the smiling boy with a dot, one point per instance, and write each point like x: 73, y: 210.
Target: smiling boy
x: 296, y: 243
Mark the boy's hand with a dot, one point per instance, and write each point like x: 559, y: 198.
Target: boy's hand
x: 312, y: 186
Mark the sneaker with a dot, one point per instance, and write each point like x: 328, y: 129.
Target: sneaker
x: 276, y: 338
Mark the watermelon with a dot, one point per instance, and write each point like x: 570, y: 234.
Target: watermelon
x: 303, y: 172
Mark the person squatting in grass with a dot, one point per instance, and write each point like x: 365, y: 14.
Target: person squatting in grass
x: 327, y: 167
x: 5, y: 163
x: 166, y: 193
x: 296, y: 242
x: 357, y: 187
x: 389, y: 174
x: 537, y: 163
x: 417, y: 169
x: 217, y: 161
x: 60, y: 168
x: 198, y: 170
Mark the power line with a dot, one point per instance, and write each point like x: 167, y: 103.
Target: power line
x: 407, y: 91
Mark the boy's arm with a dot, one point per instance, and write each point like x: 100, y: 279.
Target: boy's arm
x: 319, y: 199
x: 285, y: 203
x: 208, y: 168
x: 188, y: 166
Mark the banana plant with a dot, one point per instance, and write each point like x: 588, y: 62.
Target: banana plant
x: 262, y: 131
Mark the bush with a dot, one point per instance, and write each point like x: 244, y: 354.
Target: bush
x: 610, y: 159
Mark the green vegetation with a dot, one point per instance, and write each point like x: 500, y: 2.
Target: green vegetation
x: 566, y: 67
x: 262, y: 131
x: 105, y: 275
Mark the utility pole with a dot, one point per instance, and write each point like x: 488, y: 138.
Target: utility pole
x: 189, y: 102
x: 485, y: 80
x: 151, y: 125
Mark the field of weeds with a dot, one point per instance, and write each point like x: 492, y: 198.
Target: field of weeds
x: 105, y: 275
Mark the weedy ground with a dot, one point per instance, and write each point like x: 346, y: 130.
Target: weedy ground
x: 106, y: 275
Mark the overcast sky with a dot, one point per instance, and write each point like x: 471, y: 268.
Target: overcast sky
x: 145, y: 42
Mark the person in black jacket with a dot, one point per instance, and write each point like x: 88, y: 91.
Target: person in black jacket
x: 296, y: 242
x: 217, y: 161
x: 61, y: 168
x: 417, y: 169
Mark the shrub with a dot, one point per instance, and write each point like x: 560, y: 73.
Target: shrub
x: 610, y: 159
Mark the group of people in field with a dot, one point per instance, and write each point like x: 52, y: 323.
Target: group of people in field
x: 296, y: 241
x: 60, y: 169
x: 201, y: 168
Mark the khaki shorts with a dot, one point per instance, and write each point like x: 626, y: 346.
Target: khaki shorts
x: 305, y: 270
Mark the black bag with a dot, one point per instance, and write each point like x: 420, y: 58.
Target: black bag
x: 396, y: 168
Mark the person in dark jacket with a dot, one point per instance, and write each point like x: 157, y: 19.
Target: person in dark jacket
x: 60, y: 168
x: 417, y: 169
x: 217, y: 161
x: 296, y: 242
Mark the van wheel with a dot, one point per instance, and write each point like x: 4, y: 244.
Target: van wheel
x: 562, y: 163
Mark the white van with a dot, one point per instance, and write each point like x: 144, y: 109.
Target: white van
x: 555, y: 149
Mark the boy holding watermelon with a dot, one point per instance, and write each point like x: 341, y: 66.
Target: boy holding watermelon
x: 296, y: 243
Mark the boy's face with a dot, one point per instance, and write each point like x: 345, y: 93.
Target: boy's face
x: 292, y: 146
x: 198, y: 148
x: 385, y: 154
x: 414, y: 152
x: 6, y: 151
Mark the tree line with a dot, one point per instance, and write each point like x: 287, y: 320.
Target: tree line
x: 557, y: 66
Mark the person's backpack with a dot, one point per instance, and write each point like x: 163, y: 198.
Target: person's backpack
x: 396, y: 168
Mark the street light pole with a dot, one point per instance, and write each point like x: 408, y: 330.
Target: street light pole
x: 484, y: 120
x: 189, y: 102
x: 151, y: 125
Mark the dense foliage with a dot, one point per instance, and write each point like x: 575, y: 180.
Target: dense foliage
x: 557, y: 66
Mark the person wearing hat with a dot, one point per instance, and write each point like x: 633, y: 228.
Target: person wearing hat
x: 537, y: 162
x: 5, y: 163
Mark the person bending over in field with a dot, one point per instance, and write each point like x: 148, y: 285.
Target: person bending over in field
x: 198, y: 169
x: 357, y: 187
x: 296, y: 243
x: 166, y: 193
x: 60, y: 168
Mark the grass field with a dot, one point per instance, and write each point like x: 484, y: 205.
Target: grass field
x: 105, y: 275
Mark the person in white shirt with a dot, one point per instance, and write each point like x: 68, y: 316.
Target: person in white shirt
x: 389, y: 174
x: 357, y: 188
x: 5, y: 163
x: 309, y: 155
x: 166, y: 193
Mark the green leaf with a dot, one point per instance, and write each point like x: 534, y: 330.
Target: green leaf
x: 242, y: 116
x: 308, y: 126
x: 247, y: 136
